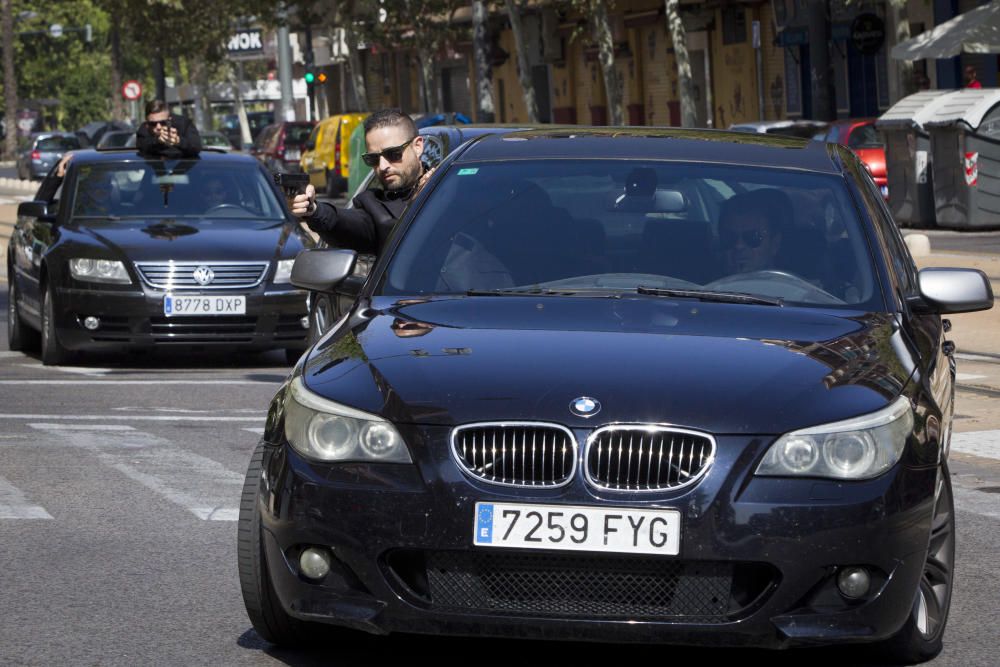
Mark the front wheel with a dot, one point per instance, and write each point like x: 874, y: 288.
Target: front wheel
x: 921, y: 637
x: 266, y: 614
x: 53, y: 352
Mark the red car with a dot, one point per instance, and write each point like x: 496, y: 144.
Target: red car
x: 279, y: 145
x: 861, y: 136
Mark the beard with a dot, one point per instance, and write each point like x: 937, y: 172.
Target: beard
x: 407, y: 178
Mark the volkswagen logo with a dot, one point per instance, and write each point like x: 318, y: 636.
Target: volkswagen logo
x: 585, y: 406
x: 203, y: 275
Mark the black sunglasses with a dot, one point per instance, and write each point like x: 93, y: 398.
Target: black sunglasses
x: 751, y: 238
x: 154, y: 123
x: 394, y: 154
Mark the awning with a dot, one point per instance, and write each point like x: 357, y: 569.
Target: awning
x: 976, y: 31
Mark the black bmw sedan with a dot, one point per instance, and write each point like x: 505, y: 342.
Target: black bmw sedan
x: 626, y: 385
x: 129, y: 252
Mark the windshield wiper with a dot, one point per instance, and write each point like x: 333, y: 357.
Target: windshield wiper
x: 723, y: 297
x: 536, y: 291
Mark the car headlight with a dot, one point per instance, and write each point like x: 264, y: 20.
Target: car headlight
x: 324, y: 430
x: 99, y: 270
x: 283, y: 274
x: 858, y: 448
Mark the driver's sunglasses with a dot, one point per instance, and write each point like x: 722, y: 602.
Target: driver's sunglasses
x: 155, y: 123
x: 393, y: 155
x: 751, y: 238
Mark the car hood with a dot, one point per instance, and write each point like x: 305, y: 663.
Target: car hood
x: 192, y: 239
x: 723, y: 368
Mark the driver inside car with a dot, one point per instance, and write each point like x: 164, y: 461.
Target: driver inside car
x: 214, y: 194
x: 750, y: 230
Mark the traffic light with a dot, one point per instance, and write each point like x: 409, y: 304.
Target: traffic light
x: 310, y: 77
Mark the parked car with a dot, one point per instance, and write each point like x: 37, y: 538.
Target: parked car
x: 127, y: 252
x: 116, y: 139
x: 803, y: 129
x: 216, y: 140
x: 279, y: 146
x: 42, y: 151
x: 257, y: 120
x: 325, y: 157
x: 567, y: 405
x: 439, y: 140
x: 861, y: 136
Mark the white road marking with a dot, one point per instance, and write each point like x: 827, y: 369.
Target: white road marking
x: 977, y: 502
x: 158, y: 418
x: 82, y: 427
x: 964, y: 377
x: 258, y: 431
x: 968, y: 356
x: 199, y: 484
x: 79, y: 370
x: 977, y: 443
x: 13, y: 504
x: 140, y: 382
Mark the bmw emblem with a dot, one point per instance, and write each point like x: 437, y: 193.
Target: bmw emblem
x: 585, y: 406
x: 203, y: 275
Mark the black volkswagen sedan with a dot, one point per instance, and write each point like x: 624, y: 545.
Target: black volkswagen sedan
x: 624, y: 385
x: 129, y: 252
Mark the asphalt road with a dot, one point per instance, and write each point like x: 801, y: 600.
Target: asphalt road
x: 119, y: 487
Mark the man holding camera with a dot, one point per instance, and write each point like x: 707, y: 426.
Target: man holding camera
x: 394, y: 149
x: 165, y: 134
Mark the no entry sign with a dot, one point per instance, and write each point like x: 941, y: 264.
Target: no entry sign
x: 132, y: 90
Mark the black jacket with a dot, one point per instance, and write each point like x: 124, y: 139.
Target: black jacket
x: 364, y: 228
x: 190, y: 144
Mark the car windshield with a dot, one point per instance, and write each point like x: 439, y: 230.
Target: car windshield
x: 57, y: 144
x: 297, y: 135
x: 182, y: 189
x: 607, y: 227
x: 865, y: 136
x: 214, y: 139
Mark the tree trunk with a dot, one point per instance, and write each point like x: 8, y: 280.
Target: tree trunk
x: 427, y: 92
x: 900, y: 18
x: 484, y: 71
x: 823, y: 92
x: 523, y: 62
x: 355, y: 66
x: 601, y: 30
x: 9, y: 81
x: 117, y: 103
x: 675, y: 26
x: 199, y: 83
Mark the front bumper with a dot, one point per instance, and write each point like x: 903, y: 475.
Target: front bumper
x: 401, y: 537
x: 135, y: 319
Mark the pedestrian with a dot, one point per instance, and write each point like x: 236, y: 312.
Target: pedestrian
x: 970, y: 77
x: 394, y: 150
x: 166, y: 134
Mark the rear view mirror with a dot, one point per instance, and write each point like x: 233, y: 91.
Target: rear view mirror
x: 955, y: 290
x: 36, y: 209
x: 322, y: 270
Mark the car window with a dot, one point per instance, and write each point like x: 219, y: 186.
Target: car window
x: 57, y: 144
x: 297, y: 134
x: 865, y: 136
x: 595, y: 224
x: 187, y: 189
x: 214, y: 140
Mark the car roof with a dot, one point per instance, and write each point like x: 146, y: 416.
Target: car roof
x: 92, y: 156
x: 671, y: 144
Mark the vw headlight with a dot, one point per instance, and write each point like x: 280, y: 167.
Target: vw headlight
x: 283, y: 273
x: 324, y: 430
x: 858, y: 448
x: 99, y: 270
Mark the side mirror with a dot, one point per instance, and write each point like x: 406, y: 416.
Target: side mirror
x: 955, y: 290
x: 323, y: 269
x: 36, y: 209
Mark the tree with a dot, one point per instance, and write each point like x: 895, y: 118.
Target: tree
x: 675, y: 26
x: 9, y: 80
x: 596, y: 13
x: 523, y: 63
x: 900, y: 19
x: 484, y: 70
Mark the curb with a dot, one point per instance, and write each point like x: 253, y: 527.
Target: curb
x: 18, y: 184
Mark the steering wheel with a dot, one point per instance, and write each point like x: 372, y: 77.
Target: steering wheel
x: 219, y: 207
x: 776, y: 276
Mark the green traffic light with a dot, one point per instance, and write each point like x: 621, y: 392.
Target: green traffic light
x: 310, y: 77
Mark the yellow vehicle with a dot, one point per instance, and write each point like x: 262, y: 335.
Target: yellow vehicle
x: 327, y: 156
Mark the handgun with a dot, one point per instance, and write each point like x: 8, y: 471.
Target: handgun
x: 291, y: 184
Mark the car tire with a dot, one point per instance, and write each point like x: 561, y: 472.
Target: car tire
x: 921, y: 636
x: 53, y: 352
x: 20, y: 337
x: 266, y: 614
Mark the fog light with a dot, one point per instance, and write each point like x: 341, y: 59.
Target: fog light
x: 304, y: 322
x: 854, y: 582
x: 315, y: 562
x: 91, y: 322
